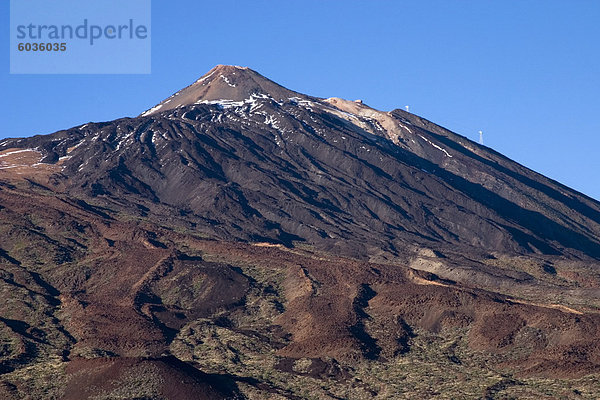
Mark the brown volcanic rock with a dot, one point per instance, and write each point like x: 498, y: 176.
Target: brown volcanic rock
x: 245, y: 240
x: 225, y: 82
x: 158, y: 378
x: 335, y: 311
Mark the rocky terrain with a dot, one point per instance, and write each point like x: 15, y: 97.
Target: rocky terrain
x: 241, y: 240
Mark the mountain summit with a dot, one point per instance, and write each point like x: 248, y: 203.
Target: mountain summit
x: 224, y: 82
x: 242, y: 240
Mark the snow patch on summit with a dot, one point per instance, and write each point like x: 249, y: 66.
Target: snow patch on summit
x: 202, y: 79
x: 224, y: 103
x: 226, y: 80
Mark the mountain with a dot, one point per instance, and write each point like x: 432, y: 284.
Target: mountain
x: 225, y: 82
x: 256, y: 242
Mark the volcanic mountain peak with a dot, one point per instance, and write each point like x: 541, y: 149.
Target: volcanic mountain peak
x: 224, y: 82
x: 327, y: 242
x: 240, y: 152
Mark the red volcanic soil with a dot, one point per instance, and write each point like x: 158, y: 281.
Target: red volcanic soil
x: 124, y: 290
x: 165, y: 377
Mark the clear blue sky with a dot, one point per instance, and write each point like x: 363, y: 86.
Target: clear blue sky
x: 527, y: 73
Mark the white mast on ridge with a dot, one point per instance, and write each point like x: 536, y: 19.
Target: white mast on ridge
x: 480, y: 137
x: 406, y: 108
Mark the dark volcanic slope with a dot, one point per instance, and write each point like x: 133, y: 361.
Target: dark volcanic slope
x: 244, y: 158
